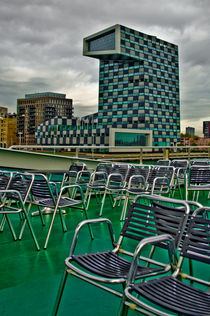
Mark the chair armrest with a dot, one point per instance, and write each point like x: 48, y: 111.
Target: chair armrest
x: 151, y: 240
x: 88, y: 222
x: 160, y: 178
x: 136, y: 177
x: 71, y: 186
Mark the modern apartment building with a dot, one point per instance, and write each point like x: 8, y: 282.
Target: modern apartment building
x: 37, y: 108
x: 190, y: 130
x: 206, y: 129
x: 139, y: 101
x: 3, y: 111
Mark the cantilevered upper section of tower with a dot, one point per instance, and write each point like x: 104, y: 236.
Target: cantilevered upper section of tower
x: 120, y: 42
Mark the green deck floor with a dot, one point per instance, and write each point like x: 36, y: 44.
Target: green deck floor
x: 29, y: 280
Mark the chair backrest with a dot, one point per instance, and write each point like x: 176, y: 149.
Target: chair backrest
x: 199, y: 175
x: 148, y: 216
x: 104, y: 167
x: 161, y: 171
x: 21, y: 182
x: 83, y: 177
x: 75, y: 168
x: 200, y: 162
x: 5, y: 178
x: 121, y: 169
x: 163, y: 162
x: 41, y: 188
x: 196, y: 244
x: 138, y: 170
x: 180, y: 163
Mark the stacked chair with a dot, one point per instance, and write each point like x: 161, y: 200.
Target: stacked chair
x: 157, y: 216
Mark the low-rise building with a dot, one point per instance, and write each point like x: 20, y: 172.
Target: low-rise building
x: 8, y: 130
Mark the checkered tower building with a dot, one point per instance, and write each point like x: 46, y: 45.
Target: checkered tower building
x: 138, y: 86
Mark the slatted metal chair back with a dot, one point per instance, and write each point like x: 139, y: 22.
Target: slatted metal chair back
x: 161, y: 171
x: 75, y: 168
x: 163, y: 162
x: 181, y: 163
x: 41, y: 188
x: 21, y: 183
x: 5, y: 178
x: 83, y: 177
x: 104, y: 167
x: 200, y: 162
x: 144, y: 221
x: 138, y: 170
x: 120, y: 169
x: 199, y: 175
x: 196, y: 245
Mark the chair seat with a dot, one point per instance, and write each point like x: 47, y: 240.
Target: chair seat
x: 115, y: 188
x: 175, y: 295
x: 136, y: 190
x: 64, y: 202
x: 97, y: 186
x: 109, y: 264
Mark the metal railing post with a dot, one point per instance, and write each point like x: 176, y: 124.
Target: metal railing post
x: 141, y: 156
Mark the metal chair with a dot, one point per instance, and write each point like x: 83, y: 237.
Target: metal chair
x: 198, y: 180
x: 181, y: 168
x: 71, y: 175
x: 112, y: 267
x: 44, y: 195
x: 138, y: 175
x: 159, y: 181
x: 162, y: 295
x: 13, y: 201
x: 116, y: 184
x: 97, y: 183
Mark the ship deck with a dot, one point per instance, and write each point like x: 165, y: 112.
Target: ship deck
x: 30, y: 279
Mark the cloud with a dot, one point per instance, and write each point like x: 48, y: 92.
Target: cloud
x: 41, y: 47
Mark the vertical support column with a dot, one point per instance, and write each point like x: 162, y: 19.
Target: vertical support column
x: 189, y: 150
x: 77, y: 152
x: 141, y: 156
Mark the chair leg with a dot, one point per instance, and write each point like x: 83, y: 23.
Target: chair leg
x: 89, y: 227
x: 125, y: 205
x: 87, y: 201
x: 62, y: 221
x: 3, y: 220
x: 11, y: 227
x: 123, y: 310
x: 102, y: 204
x: 60, y: 293
x: 32, y: 232
x: 50, y: 228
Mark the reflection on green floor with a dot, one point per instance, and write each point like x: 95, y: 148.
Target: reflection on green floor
x: 29, y: 280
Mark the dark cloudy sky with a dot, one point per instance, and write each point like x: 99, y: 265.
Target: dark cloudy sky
x: 41, y: 48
